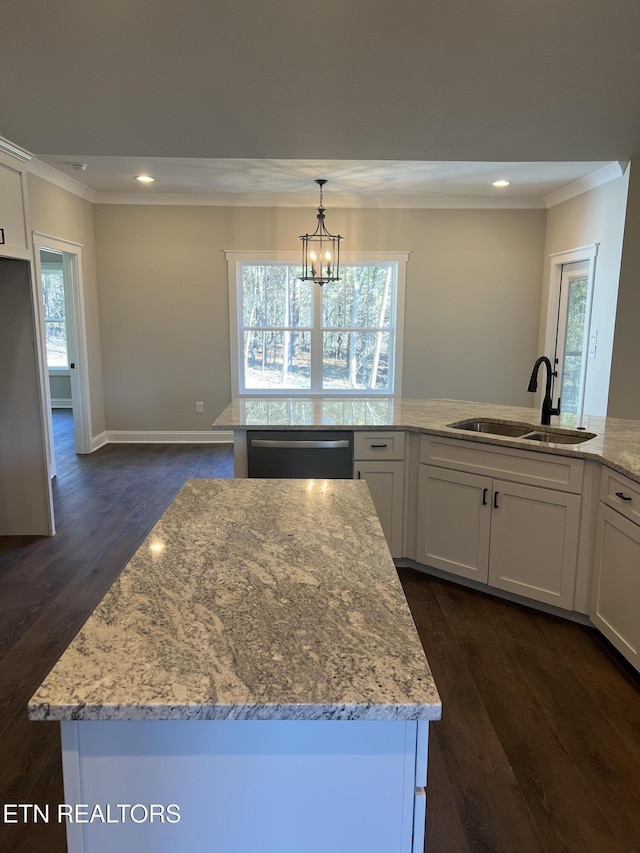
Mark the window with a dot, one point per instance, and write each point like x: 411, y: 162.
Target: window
x: 569, y: 325
x: 296, y: 337
x: 55, y: 319
x: 571, y: 340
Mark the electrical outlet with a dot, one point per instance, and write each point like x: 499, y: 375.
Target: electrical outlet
x: 199, y: 408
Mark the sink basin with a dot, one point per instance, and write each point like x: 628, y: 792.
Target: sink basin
x: 517, y: 429
x: 564, y: 437
x: 513, y: 429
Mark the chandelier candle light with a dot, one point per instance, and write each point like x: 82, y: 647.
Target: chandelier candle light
x: 320, y: 250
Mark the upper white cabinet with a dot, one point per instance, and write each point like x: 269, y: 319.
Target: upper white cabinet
x: 14, y: 222
x: 500, y: 529
x: 379, y: 459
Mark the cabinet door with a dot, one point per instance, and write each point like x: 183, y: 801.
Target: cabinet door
x: 617, y: 583
x: 454, y: 518
x: 14, y: 235
x: 534, y: 542
x: 386, y: 484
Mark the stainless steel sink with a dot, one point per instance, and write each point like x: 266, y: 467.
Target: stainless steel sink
x: 560, y: 437
x: 513, y: 429
x: 517, y: 429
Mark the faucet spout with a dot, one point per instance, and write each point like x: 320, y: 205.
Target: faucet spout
x: 547, y: 407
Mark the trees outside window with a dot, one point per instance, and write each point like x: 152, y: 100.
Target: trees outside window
x: 55, y: 318
x: 297, y: 337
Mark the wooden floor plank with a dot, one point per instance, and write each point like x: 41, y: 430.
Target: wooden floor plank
x: 496, y: 819
x: 607, y: 766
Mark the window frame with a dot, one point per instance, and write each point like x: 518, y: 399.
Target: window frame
x: 235, y: 261
x: 58, y: 269
x: 586, y: 255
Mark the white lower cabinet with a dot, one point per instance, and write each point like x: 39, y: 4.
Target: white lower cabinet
x: 454, y: 522
x: 386, y: 484
x: 534, y: 542
x: 616, y: 600
x: 509, y: 535
x: 379, y: 459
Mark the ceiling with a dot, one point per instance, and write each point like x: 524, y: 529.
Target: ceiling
x: 352, y: 183
x: 418, y: 97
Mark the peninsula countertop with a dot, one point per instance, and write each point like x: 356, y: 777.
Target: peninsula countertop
x: 617, y: 441
x: 251, y: 599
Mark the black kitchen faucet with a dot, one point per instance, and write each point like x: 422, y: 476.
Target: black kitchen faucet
x: 547, y: 409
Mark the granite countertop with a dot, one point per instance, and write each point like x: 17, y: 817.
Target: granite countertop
x: 251, y: 599
x: 617, y: 441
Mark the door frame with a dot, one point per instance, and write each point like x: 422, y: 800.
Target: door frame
x: 76, y: 340
x: 584, y: 254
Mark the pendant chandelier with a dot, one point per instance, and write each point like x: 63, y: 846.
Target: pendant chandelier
x: 320, y: 250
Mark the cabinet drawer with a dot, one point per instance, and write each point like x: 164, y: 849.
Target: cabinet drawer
x: 378, y: 445
x: 621, y: 493
x: 551, y: 471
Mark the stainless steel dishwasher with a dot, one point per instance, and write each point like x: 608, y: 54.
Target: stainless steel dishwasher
x: 300, y: 454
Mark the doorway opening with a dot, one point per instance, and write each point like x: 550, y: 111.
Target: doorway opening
x: 58, y: 272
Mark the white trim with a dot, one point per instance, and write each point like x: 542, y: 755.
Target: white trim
x: 168, y: 437
x: 72, y: 780
x: 8, y: 147
x: 585, y: 254
x: 234, y: 257
x: 59, y: 179
x: 294, y: 257
x: 61, y: 403
x: 583, y: 185
x: 381, y: 202
x: 76, y: 336
x: 37, y: 309
x: 99, y: 441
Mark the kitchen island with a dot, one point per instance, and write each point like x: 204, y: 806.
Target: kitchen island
x: 256, y: 667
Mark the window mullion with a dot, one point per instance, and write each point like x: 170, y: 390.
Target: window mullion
x: 316, y: 341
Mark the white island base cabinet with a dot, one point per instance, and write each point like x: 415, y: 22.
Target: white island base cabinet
x: 242, y: 786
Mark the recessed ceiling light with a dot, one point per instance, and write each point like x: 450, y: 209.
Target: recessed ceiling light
x: 145, y: 179
x: 500, y: 183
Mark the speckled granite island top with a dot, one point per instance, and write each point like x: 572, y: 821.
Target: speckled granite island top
x: 617, y: 441
x: 251, y: 599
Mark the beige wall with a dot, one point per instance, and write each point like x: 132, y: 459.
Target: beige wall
x: 596, y: 216
x: 624, y: 390
x: 60, y: 214
x: 473, y: 295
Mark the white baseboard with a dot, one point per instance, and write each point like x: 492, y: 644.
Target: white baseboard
x: 61, y: 403
x: 168, y: 437
x: 99, y: 441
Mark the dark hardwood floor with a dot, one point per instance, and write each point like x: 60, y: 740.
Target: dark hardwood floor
x: 539, y: 746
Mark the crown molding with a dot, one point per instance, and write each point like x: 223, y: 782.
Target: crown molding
x: 48, y: 173
x: 14, y: 150
x: 337, y: 202
x: 589, y: 182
